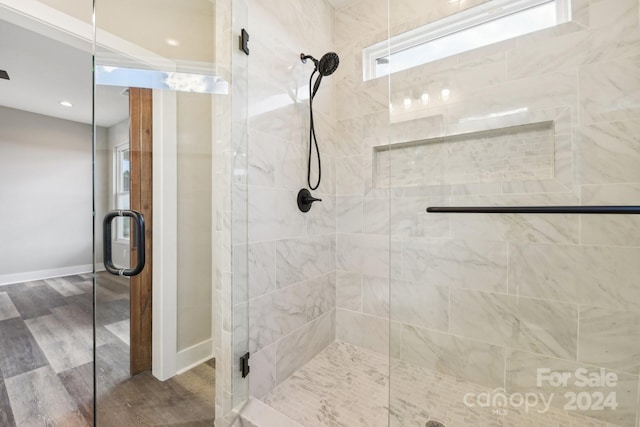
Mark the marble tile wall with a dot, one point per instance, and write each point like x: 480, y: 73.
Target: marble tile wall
x: 489, y: 299
x: 291, y: 255
x: 230, y: 250
x: 525, y: 153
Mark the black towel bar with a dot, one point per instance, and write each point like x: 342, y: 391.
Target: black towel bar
x: 607, y: 210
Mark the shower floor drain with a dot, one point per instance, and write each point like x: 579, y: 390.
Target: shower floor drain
x: 434, y: 423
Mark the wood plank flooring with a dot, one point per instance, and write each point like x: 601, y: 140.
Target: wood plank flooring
x: 46, y: 361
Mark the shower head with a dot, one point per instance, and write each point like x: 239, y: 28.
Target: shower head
x: 326, y: 66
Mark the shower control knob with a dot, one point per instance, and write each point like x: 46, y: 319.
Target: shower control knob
x: 305, y: 200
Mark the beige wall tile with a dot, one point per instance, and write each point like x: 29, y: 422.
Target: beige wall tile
x: 301, y: 346
x: 349, y: 214
x: 610, y: 338
x: 517, y: 228
x: 609, y: 90
x: 363, y: 330
x: 360, y: 253
x: 473, y: 264
x: 591, y: 275
x: 618, y: 230
x: 304, y: 258
x: 608, y: 152
x: 375, y: 296
x: 463, y: 358
x: 349, y: 290
x: 522, y: 376
x: 528, y: 324
x: 420, y: 304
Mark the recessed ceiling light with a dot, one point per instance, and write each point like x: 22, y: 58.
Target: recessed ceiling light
x: 172, y: 42
x: 66, y: 104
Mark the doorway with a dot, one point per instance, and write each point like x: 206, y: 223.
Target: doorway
x: 60, y: 369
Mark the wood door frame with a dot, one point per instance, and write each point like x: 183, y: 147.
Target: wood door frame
x: 141, y: 196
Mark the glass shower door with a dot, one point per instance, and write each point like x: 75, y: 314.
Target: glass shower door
x: 46, y: 256
x: 500, y: 316
x: 163, y: 81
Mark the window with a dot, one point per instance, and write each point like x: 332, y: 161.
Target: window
x: 122, y: 186
x: 479, y: 26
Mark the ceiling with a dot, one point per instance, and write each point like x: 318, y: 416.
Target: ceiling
x: 340, y: 4
x: 45, y: 72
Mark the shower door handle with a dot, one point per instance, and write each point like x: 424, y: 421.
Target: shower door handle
x: 604, y: 210
x: 139, y: 242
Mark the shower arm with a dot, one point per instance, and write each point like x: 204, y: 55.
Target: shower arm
x: 607, y: 210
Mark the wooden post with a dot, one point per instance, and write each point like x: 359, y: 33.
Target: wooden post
x: 140, y: 140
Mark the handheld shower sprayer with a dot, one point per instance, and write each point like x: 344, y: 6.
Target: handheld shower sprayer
x: 324, y: 67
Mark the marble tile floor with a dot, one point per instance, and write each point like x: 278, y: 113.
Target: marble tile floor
x: 348, y: 386
x: 46, y: 361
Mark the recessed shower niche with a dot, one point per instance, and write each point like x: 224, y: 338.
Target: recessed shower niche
x: 516, y: 153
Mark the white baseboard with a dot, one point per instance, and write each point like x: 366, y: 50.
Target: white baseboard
x: 31, y: 276
x: 193, y: 356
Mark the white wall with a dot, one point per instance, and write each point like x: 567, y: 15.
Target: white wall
x: 117, y: 134
x: 101, y: 197
x: 194, y: 221
x: 45, y: 195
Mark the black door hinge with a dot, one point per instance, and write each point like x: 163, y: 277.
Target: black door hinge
x: 244, y: 365
x: 244, y: 41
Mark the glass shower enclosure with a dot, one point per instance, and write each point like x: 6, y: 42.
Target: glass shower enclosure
x: 443, y: 121
x: 490, y: 316
x: 149, y: 166
x: 503, y: 316
x: 152, y: 139
x: 182, y: 165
